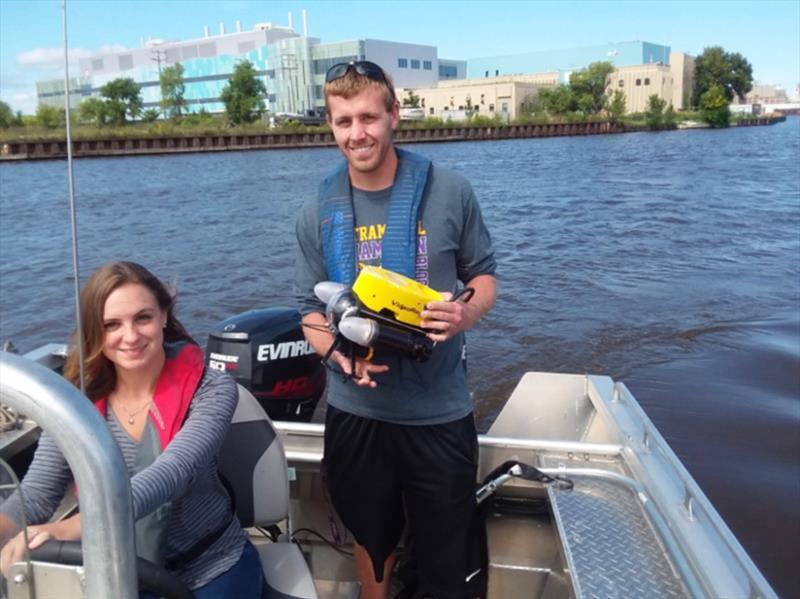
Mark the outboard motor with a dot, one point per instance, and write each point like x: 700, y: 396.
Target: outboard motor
x: 266, y: 352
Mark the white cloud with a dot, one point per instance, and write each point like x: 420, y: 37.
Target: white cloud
x: 24, y: 101
x: 18, y: 82
x: 52, y: 59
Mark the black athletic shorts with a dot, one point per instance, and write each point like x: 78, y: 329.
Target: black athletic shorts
x: 378, y: 472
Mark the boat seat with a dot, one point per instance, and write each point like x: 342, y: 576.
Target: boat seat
x: 253, y: 464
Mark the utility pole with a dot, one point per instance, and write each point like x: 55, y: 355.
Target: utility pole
x: 288, y: 66
x: 159, y: 57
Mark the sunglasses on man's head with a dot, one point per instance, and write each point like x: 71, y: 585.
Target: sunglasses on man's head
x: 362, y: 67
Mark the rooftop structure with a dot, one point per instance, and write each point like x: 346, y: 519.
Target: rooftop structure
x: 292, y: 65
x: 565, y: 61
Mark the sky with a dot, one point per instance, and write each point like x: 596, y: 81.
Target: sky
x: 767, y: 33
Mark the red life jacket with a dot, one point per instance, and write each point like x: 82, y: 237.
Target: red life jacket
x: 177, y: 383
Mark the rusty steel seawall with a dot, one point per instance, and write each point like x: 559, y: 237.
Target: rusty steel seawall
x: 55, y: 149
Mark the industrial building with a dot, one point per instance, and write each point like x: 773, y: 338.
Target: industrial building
x: 292, y: 66
x: 507, y: 95
x: 495, y: 96
x: 642, y: 69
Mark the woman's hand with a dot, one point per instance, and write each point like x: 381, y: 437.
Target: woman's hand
x: 14, y: 550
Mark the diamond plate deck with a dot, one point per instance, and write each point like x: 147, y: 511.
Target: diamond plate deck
x: 610, y: 546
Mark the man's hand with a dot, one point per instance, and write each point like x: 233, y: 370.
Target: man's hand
x: 315, y: 328
x: 445, y: 319
x: 363, y: 369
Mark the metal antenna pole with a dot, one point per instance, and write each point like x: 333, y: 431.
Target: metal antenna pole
x: 72, y: 211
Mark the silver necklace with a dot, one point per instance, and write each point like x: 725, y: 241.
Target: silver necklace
x: 132, y: 415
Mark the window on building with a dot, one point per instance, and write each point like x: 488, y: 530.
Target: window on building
x: 647, y: 80
x: 622, y: 83
x: 430, y: 110
x: 245, y: 47
x: 189, y: 52
x: 427, y: 65
x: 447, y: 72
x: 482, y: 100
x: 491, y: 107
x: 207, y: 50
x: 461, y: 107
x: 504, y: 107
x: 414, y: 64
x: 638, y: 82
x: 97, y: 64
x: 322, y: 65
x: 125, y: 62
x: 402, y: 63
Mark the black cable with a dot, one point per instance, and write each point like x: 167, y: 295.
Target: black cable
x: 267, y: 533
x: 322, y: 538
x: 464, y: 295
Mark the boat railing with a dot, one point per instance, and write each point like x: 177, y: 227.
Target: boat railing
x: 699, y: 544
x: 96, y: 462
x: 301, y: 443
x: 700, y: 532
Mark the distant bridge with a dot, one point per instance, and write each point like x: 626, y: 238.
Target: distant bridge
x: 785, y: 108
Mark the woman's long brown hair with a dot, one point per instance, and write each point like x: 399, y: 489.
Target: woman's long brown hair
x: 99, y: 374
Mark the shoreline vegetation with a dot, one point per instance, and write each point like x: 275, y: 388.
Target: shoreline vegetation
x: 116, y: 123
x: 207, y: 124
x: 203, y: 133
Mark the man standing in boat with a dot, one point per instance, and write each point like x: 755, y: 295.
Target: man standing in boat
x: 400, y: 440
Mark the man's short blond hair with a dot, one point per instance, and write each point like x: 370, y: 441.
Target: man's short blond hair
x: 351, y: 83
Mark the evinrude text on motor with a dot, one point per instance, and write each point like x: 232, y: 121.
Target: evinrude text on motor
x: 265, y: 351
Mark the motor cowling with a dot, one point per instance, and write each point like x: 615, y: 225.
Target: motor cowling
x: 265, y: 351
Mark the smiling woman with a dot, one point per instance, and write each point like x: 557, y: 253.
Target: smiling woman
x: 169, y: 417
x: 127, y: 314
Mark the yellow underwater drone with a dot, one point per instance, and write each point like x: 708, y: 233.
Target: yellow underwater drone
x: 381, y: 311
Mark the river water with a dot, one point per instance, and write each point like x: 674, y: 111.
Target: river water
x: 670, y: 261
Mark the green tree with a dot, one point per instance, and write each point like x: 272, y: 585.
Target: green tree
x: 670, y: 118
x: 412, y: 100
x: 50, y: 117
x: 530, y: 104
x: 123, y: 99
x: 616, y: 106
x: 654, y: 113
x: 714, y: 107
x: 741, y: 75
x: 589, y: 86
x: 93, y: 111
x: 6, y: 116
x: 558, y: 100
x: 172, y: 90
x: 730, y: 71
x: 150, y: 115
x: 243, y: 95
